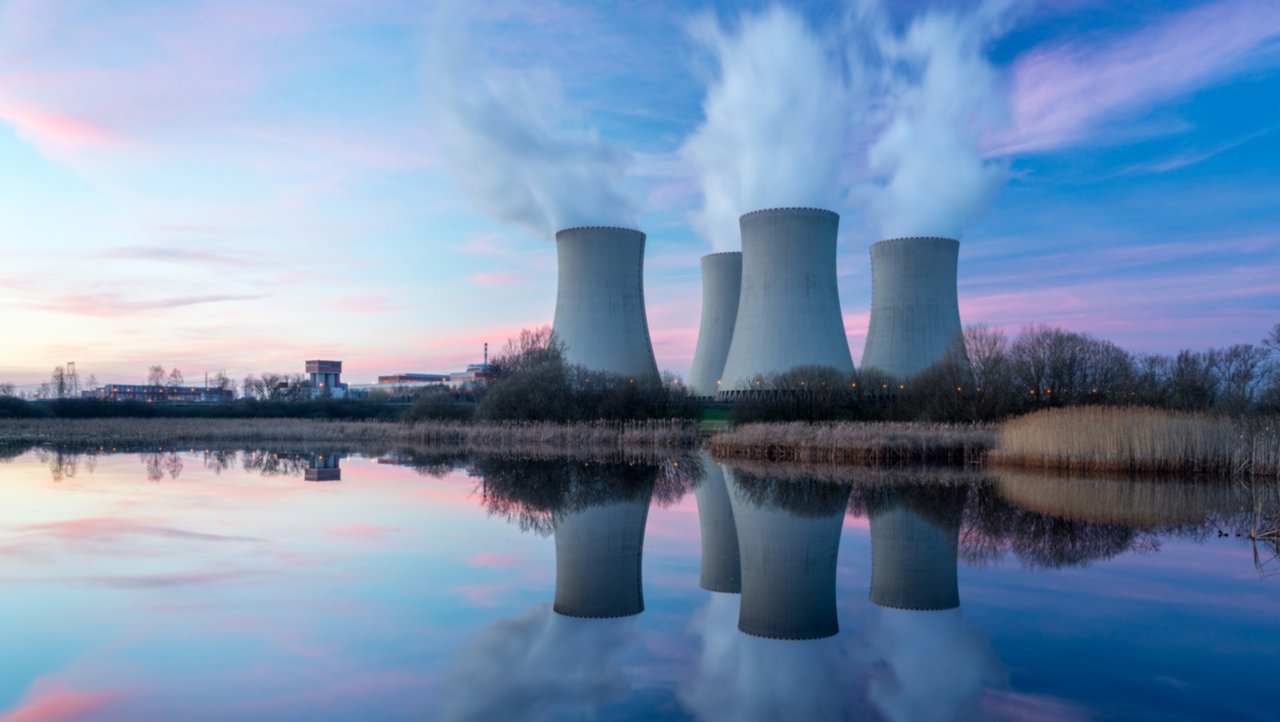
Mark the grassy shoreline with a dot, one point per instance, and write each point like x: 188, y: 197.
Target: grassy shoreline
x: 1075, y: 440
x: 534, y: 438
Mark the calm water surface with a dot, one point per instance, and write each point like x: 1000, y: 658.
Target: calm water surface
x: 319, y: 586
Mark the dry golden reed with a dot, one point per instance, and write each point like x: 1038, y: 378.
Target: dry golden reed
x: 865, y: 443
x: 1140, y: 441
x: 502, y: 437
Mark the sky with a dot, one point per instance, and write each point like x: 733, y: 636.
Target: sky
x: 241, y: 186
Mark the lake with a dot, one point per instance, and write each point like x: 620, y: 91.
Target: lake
x: 296, y: 584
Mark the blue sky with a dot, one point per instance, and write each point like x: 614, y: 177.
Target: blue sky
x: 241, y: 186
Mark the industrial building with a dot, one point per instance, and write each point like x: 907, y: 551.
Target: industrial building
x: 721, y: 569
x: 149, y: 394
x: 789, y: 307
x: 915, y: 538
x: 326, y: 379
x: 788, y: 559
x: 598, y: 558
x: 721, y: 288
x: 915, y: 314
x: 600, y: 315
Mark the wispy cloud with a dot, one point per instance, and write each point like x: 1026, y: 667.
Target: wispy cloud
x: 1066, y: 94
x: 171, y: 255
x: 53, y: 701
x: 111, y: 305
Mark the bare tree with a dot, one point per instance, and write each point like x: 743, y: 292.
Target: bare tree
x: 7, y: 389
x: 1241, y: 370
x: 175, y: 378
x: 58, y: 383
x: 1272, y: 341
x: 155, y: 375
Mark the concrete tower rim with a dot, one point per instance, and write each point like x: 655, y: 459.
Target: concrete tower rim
x: 897, y: 239
x: 571, y: 229
x: 807, y: 209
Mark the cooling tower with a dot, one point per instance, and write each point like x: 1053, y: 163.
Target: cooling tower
x: 600, y: 314
x: 721, y: 571
x: 915, y: 317
x: 721, y: 287
x: 598, y: 552
x: 913, y: 554
x: 788, y: 559
x: 789, y: 308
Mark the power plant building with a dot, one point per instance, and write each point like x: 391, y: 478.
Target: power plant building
x: 721, y: 569
x: 789, y: 307
x: 600, y: 314
x: 721, y: 289
x: 915, y: 314
x: 788, y: 558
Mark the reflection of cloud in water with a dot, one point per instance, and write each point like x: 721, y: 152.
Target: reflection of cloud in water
x: 935, y: 665
x: 742, y: 677
x: 540, y: 665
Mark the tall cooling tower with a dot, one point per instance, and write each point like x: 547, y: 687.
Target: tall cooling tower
x: 598, y: 556
x: 721, y: 287
x: 600, y: 314
x: 788, y: 564
x: 721, y: 570
x: 915, y: 317
x: 789, y: 308
x: 913, y: 555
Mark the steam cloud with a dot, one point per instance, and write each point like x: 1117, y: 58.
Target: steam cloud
x: 510, y: 144
x: 915, y: 104
x: 538, y: 666
x: 940, y: 97
x: 938, y: 665
x: 774, y: 126
x: 741, y: 677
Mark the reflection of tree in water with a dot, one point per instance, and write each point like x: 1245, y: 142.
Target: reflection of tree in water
x: 276, y: 463
x: 530, y: 492
x: 66, y: 464
x: 162, y: 463
x: 800, y: 495
x: 994, y: 527
x: 219, y: 460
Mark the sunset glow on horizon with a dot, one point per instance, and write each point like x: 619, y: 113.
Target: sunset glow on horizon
x: 233, y: 186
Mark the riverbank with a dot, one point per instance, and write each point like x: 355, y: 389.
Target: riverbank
x: 534, y: 438
x: 1140, y: 441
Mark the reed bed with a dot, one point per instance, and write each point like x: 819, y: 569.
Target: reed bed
x: 534, y: 438
x: 1144, y: 503
x: 1141, y: 441
x: 863, y: 443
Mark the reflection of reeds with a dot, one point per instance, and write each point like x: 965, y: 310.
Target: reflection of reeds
x: 872, y: 444
x: 1150, y: 503
x: 597, y: 437
x: 1140, y: 440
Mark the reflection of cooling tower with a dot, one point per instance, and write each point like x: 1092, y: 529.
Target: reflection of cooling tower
x: 913, y: 557
x: 915, y: 317
x: 789, y: 310
x: 788, y: 566
x: 598, y: 559
x: 600, y: 314
x: 720, y: 566
x: 721, y: 287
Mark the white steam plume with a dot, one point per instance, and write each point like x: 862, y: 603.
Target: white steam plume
x: 541, y: 665
x: 938, y: 96
x: 937, y: 665
x: 774, y: 126
x: 512, y: 144
x: 741, y: 678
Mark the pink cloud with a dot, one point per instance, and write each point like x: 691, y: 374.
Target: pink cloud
x: 497, y: 278
x: 496, y: 561
x: 363, y: 532
x: 53, y: 702
x: 56, y: 131
x: 1062, y: 95
x: 109, y: 305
